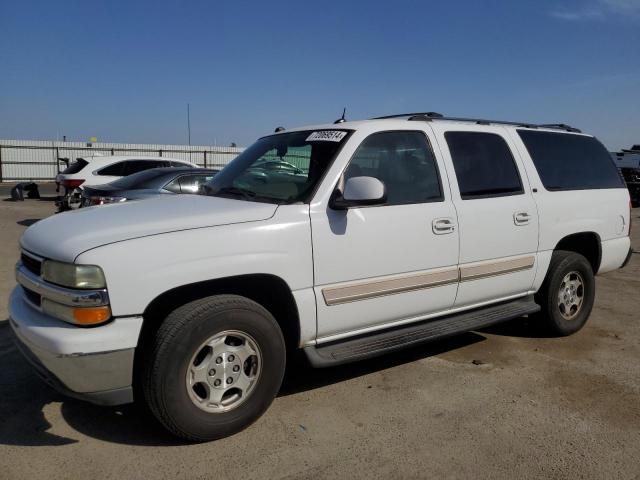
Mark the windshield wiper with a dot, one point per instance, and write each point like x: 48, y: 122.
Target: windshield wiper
x: 246, y: 194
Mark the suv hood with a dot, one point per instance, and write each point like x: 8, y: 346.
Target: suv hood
x: 66, y: 235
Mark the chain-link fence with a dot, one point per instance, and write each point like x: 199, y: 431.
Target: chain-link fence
x: 42, y: 160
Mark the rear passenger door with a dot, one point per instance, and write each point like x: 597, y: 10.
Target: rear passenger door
x: 496, y: 212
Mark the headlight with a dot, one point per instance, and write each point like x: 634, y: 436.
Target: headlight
x: 72, y: 275
x: 105, y: 200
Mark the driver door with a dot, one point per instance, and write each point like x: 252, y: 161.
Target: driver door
x: 395, y: 263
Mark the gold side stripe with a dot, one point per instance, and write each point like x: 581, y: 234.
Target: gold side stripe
x: 377, y: 288
x: 364, y: 290
x: 474, y: 272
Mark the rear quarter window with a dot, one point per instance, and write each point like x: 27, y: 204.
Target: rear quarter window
x: 76, y: 166
x: 570, y: 162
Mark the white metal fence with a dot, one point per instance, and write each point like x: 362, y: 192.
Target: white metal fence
x: 41, y: 160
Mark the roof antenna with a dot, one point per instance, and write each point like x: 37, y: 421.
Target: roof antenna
x: 341, y: 119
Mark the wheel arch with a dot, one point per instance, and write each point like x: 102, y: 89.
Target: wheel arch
x: 270, y: 291
x: 587, y: 244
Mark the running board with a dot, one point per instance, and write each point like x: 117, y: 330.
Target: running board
x: 379, y: 343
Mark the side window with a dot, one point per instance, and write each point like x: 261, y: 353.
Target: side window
x: 192, y: 183
x: 173, y: 185
x: 484, y: 165
x: 570, y: 162
x: 115, y: 170
x: 135, y: 166
x: 403, y: 161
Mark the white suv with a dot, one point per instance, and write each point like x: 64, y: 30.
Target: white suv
x: 347, y: 240
x: 98, y: 170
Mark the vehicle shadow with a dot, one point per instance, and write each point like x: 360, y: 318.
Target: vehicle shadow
x: 42, y: 198
x: 519, y: 327
x: 301, y: 377
x: 24, y: 397
x: 27, y: 222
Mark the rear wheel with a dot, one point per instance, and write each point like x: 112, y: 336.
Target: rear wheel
x: 215, y: 366
x: 567, y: 294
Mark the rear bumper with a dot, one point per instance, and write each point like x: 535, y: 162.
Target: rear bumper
x: 94, y: 364
x: 614, y: 253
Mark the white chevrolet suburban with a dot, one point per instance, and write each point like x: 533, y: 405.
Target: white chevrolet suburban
x: 347, y: 240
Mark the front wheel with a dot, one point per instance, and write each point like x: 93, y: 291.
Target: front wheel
x: 567, y: 294
x: 215, y: 366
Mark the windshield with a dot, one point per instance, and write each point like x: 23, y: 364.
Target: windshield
x: 282, y: 168
x: 139, y: 179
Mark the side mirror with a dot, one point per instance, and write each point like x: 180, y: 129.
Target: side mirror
x: 359, y: 192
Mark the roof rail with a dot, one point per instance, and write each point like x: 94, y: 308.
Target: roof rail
x: 561, y: 126
x: 484, y: 121
x: 411, y: 115
x: 429, y: 116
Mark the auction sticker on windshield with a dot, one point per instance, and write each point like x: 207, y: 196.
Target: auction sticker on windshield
x: 327, y: 136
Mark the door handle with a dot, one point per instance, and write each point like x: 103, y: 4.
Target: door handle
x: 442, y: 226
x: 521, y: 218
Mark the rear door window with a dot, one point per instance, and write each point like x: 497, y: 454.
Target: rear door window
x: 570, y: 162
x: 484, y: 165
x: 135, y: 166
x: 115, y: 170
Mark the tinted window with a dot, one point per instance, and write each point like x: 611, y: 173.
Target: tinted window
x: 484, y: 165
x: 144, y: 179
x: 192, y: 183
x: 115, y: 170
x: 135, y: 166
x: 173, y: 185
x: 76, y: 166
x: 570, y: 162
x: 403, y: 162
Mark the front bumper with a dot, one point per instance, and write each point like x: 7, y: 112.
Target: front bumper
x: 94, y: 364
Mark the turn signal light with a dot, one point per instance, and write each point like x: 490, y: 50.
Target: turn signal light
x: 92, y: 315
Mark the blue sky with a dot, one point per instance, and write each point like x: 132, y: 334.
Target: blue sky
x: 125, y: 70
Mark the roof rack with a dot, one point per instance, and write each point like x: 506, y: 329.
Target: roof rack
x: 411, y: 115
x: 429, y: 116
x: 561, y: 126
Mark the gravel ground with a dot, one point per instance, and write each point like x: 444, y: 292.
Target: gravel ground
x: 507, y: 402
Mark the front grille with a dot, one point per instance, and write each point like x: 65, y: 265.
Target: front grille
x: 31, y: 263
x: 32, y: 296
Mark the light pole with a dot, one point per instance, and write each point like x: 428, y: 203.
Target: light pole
x: 188, y: 124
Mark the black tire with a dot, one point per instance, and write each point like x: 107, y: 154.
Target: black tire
x: 563, y: 263
x: 177, y: 340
